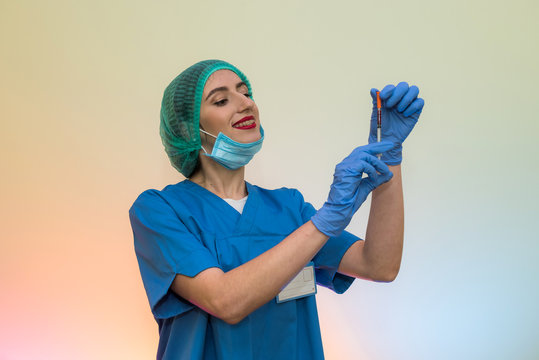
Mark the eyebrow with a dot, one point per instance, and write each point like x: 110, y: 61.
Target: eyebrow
x: 224, y: 88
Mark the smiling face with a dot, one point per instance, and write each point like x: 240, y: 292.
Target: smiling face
x: 227, y: 107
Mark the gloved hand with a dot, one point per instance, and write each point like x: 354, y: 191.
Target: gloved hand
x: 400, y: 111
x: 349, y: 190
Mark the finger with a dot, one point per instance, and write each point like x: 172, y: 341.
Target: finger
x: 387, y: 91
x: 378, y: 164
x: 415, y: 107
x: 366, y: 184
x: 361, y: 193
x: 408, y: 98
x: 397, y: 95
x: 373, y: 95
x: 383, y: 178
x: 356, y: 164
x: 376, y: 148
x: 369, y: 170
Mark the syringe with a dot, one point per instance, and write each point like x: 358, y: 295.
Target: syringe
x: 379, y: 122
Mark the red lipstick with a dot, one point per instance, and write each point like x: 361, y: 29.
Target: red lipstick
x: 247, y: 118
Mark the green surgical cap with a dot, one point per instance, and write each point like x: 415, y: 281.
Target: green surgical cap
x: 180, y: 113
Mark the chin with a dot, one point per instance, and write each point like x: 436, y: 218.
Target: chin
x: 250, y: 139
x: 250, y: 136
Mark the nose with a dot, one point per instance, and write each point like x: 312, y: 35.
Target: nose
x: 245, y: 103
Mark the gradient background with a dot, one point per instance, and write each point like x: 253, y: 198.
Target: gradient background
x: 80, y: 96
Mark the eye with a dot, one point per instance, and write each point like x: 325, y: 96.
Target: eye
x: 249, y: 95
x: 221, y: 102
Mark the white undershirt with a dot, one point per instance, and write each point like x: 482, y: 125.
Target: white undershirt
x: 237, y: 204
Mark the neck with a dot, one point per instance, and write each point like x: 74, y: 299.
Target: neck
x: 225, y: 183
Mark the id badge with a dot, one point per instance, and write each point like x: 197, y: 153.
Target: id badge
x: 304, y: 284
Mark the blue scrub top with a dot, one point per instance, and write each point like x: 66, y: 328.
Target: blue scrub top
x: 185, y: 229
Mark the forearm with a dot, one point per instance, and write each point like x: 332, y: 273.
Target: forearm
x: 235, y: 294
x: 385, y: 228
x: 262, y: 278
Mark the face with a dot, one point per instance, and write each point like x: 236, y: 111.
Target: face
x: 227, y: 107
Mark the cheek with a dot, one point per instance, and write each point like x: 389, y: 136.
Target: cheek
x: 212, y: 119
x: 207, y: 115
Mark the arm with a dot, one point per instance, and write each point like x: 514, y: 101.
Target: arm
x: 378, y: 258
x: 233, y: 295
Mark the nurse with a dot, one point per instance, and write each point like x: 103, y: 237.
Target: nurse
x: 216, y: 253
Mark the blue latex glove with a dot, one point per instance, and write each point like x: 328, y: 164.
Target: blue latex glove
x: 349, y: 190
x: 400, y: 111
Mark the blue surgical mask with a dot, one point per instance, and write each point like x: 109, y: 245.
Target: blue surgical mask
x: 232, y: 154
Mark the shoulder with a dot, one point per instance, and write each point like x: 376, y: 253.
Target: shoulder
x: 153, y: 198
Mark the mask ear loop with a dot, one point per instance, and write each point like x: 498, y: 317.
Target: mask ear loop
x: 207, y: 134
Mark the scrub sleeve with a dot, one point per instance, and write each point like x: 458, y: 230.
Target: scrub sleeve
x: 164, y: 247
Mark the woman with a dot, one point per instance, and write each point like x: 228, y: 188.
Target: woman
x: 215, y: 251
